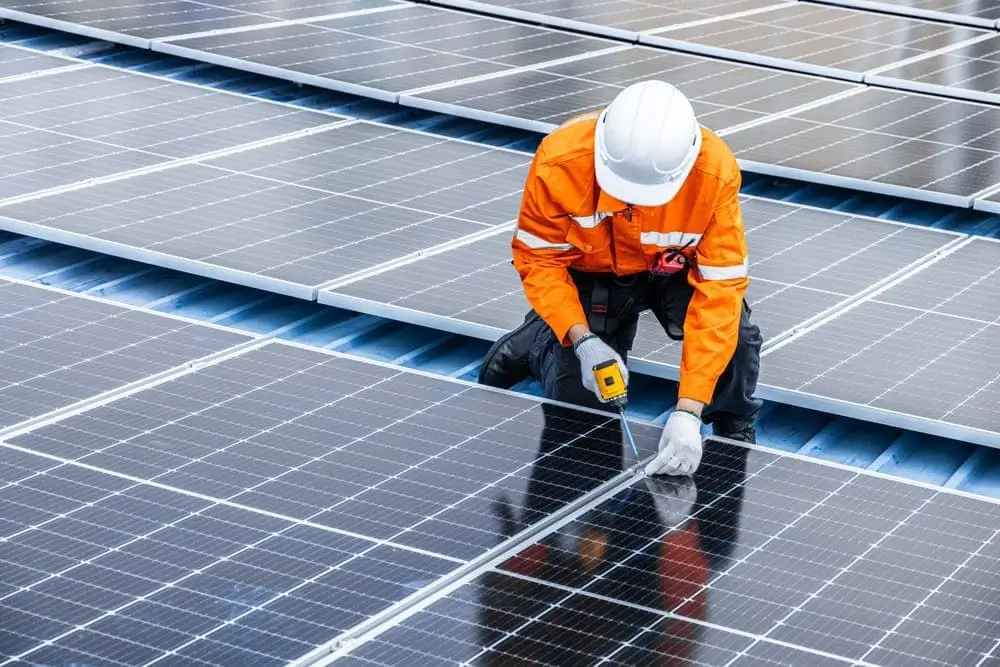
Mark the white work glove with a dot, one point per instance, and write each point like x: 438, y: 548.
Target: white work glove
x: 680, y: 446
x: 592, y: 351
x: 674, y: 498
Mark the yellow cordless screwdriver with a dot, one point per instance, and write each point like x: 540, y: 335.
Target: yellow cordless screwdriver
x: 611, y: 384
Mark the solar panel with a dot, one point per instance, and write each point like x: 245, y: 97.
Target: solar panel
x: 970, y: 72
x: 724, y: 94
x: 90, y: 123
x: 883, y: 141
x: 99, y: 569
x: 804, y: 262
x: 256, y: 508
x: 291, y: 216
x: 818, y: 39
x: 384, y: 54
x: 981, y: 13
x: 624, y: 19
x: 57, y: 349
x: 912, y: 354
x: 16, y: 63
x: 136, y: 22
x: 777, y: 560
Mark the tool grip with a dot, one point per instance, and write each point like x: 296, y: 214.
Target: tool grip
x: 610, y: 382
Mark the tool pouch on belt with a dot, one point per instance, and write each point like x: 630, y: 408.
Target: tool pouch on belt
x: 668, y: 298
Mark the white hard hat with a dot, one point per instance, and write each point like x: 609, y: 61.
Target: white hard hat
x: 646, y: 143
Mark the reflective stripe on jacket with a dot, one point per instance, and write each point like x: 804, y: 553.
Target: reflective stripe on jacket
x: 566, y: 221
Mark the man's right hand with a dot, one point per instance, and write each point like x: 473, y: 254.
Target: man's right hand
x: 592, y: 351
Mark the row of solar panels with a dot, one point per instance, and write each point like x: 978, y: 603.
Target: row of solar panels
x: 414, y: 226
x: 833, y: 131
x: 179, y: 493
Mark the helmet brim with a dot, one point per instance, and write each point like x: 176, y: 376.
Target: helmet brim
x: 638, y: 194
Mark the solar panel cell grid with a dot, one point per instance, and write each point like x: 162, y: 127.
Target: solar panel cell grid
x: 391, y: 51
x: 120, y: 108
x: 723, y: 94
x: 299, y: 213
x: 985, y: 10
x: 345, y: 445
x: 298, y: 9
x: 625, y: 15
x: 972, y: 72
x: 113, y: 571
x: 916, y: 146
x: 915, y: 350
x: 822, y: 39
x: 141, y: 21
x: 776, y: 561
x: 57, y: 349
x: 19, y: 62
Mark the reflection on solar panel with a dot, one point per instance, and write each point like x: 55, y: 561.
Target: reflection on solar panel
x: 270, y: 502
x: 971, y: 72
x: 95, y: 122
x: 915, y: 351
x: 803, y: 262
x: 882, y: 141
x: 294, y: 215
x: 623, y: 19
x: 981, y: 13
x: 383, y: 54
x: 56, y: 348
x: 136, y: 22
x: 724, y: 94
x: 763, y: 559
x: 818, y: 39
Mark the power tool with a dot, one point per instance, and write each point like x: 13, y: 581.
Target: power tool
x: 611, y: 384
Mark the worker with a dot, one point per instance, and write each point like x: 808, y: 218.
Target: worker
x: 630, y: 208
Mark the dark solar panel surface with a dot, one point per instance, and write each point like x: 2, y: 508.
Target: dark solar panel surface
x: 299, y: 213
x: 916, y: 349
x: 803, y: 262
x: 254, y: 509
x: 72, y: 126
x: 391, y: 51
x: 724, y: 94
x: 764, y: 559
x: 56, y: 349
x: 96, y: 569
x: 820, y: 38
x: 883, y: 141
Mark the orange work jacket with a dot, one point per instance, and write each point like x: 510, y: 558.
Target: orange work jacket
x: 566, y: 221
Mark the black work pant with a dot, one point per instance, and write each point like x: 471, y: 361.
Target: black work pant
x: 733, y: 405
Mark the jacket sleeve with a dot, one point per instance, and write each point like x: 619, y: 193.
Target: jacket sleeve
x: 542, y: 255
x: 712, y: 324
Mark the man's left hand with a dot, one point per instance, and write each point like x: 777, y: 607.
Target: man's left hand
x: 680, y: 446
